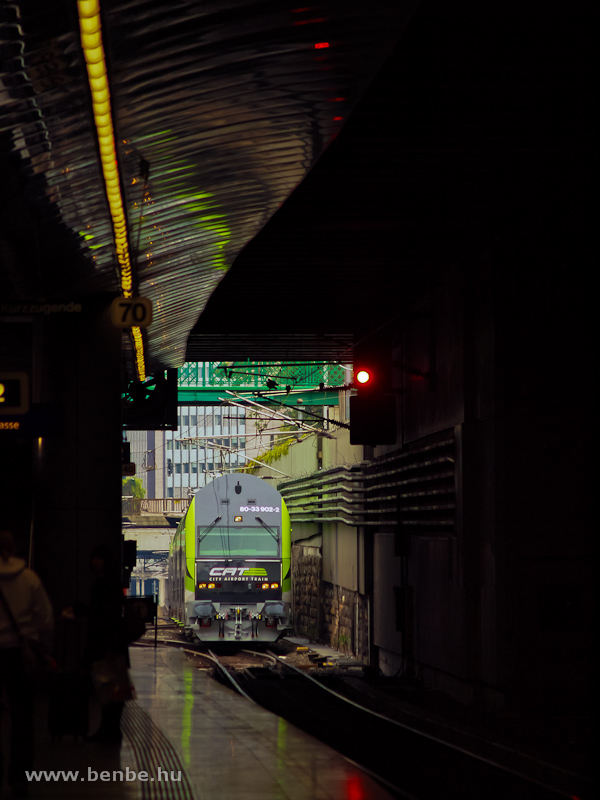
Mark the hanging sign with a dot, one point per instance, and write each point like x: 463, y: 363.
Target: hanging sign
x: 14, y: 393
x: 131, y: 312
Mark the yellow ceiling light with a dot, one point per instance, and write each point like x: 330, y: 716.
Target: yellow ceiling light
x: 93, y: 50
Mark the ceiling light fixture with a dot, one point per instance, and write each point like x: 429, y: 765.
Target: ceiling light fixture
x: 93, y: 50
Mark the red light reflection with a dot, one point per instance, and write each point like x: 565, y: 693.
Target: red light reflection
x: 309, y: 21
x: 354, y: 788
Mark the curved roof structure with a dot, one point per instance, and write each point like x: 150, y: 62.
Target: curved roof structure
x: 219, y: 110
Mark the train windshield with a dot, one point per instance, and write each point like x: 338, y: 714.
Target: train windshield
x: 238, y: 541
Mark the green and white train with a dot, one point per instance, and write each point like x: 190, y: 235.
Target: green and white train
x: 229, y: 563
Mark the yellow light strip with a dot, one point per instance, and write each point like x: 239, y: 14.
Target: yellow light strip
x: 139, y: 352
x: 91, y: 43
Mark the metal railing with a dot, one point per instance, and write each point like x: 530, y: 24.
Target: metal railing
x: 154, y: 505
x: 162, y: 505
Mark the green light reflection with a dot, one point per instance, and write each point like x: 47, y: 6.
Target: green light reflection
x: 186, y: 716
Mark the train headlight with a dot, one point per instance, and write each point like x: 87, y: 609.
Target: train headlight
x: 211, y: 585
x: 265, y: 586
x: 202, y: 586
x: 274, y: 586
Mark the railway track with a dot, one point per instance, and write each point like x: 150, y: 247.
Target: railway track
x: 410, y: 764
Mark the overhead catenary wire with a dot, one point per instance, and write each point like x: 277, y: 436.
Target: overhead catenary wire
x: 277, y: 414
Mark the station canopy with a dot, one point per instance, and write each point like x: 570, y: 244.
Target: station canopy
x: 145, y: 144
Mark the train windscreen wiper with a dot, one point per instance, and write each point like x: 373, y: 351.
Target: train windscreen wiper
x: 207, y: 530
x: 266, y: 527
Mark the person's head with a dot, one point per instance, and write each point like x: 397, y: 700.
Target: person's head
x: 7, y: 545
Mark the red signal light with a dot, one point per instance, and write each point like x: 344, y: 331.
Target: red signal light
x: 363, y: 376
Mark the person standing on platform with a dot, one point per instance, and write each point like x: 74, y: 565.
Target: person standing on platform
x: 25, y: 614
x: 106, y: 635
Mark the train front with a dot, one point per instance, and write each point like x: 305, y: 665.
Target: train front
x: 242, y: 565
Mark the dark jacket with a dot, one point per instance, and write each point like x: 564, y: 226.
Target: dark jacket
x: 104, y: 614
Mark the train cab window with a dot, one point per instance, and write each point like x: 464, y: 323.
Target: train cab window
x: 239, y: 541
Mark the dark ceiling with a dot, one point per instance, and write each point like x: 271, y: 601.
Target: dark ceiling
x: 475, y: 131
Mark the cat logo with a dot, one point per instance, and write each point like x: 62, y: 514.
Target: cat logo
x: 238, y: 572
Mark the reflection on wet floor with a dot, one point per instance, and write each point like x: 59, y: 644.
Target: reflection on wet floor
x: 187, y: 737
x: 232, y: 748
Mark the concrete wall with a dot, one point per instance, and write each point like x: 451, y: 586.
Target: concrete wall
x: 346, y: 621
x: 306, y: 591
x: 325, y: 611
x: 503, y: 607
x: 341, y: 557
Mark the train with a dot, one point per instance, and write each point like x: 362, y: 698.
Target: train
x: 229, y: 567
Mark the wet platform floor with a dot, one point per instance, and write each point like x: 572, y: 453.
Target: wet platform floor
x: 187, y: 737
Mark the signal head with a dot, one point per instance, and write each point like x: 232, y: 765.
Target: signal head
x: 364, y: 376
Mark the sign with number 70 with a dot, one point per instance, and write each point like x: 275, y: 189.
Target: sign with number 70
x: 131, y: 312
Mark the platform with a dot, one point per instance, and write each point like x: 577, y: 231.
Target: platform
x: 194, y: 739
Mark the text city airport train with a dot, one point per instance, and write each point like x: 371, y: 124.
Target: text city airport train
x: 229, y: 563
